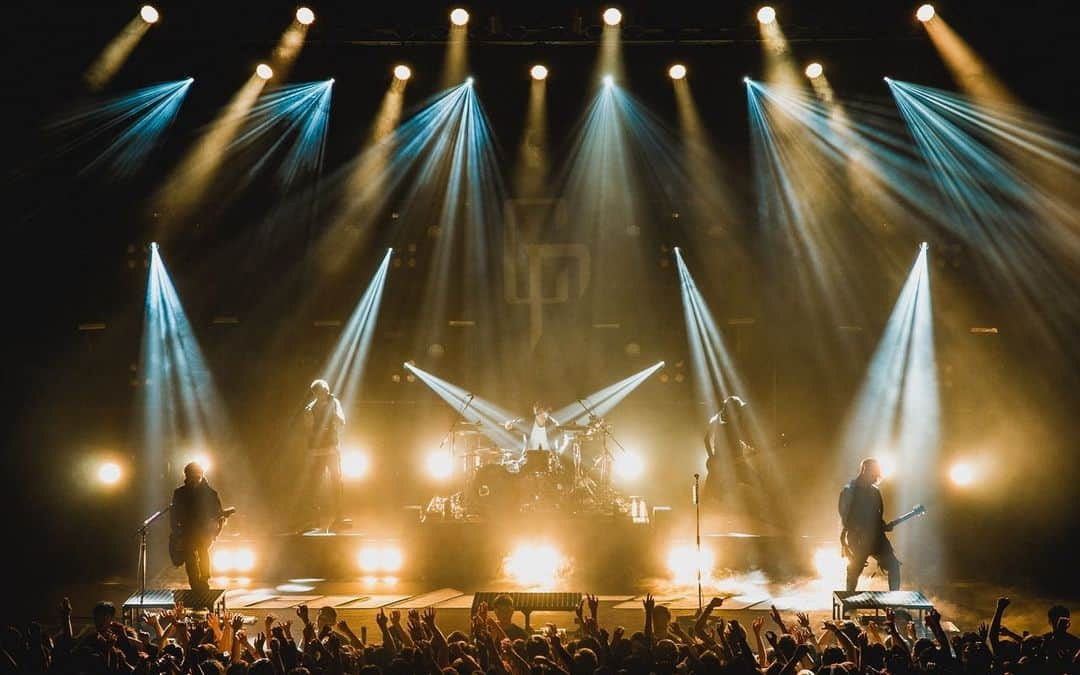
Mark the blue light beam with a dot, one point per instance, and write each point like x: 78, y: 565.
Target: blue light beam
x: 344, y: 370
x: 133, y: 123
x: 604, y: 401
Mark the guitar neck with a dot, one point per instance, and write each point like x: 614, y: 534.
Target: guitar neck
x: 906, y: 517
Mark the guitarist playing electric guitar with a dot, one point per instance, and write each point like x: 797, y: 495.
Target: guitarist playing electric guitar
x: 863, y: 536
x: 196, y: 517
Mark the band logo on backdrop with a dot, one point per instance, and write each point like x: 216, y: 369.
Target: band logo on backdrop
x: 536, y: 270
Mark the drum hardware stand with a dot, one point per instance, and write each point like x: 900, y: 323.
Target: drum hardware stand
x: 450, y: 432
x: 605, y: 456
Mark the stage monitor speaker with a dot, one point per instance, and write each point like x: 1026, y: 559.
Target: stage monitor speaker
x: 527, y: 603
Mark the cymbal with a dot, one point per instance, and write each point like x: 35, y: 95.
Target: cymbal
x: 467, y: 426
x: 574, y: 427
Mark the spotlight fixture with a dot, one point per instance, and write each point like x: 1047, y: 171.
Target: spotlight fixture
x: 538, y: 72
x: 149, y: 14
x: 402, y: 72
x: 746, y: 79
x: 264, y: 71
x: 468, y: 81
x: 612, y: 16
x: 305, y: 16
x: 609, y: 81
x: 459, y: 17
x: 814, y: 70
x: 677, y: 71
x: 766, y: 15
x: 925, y: 12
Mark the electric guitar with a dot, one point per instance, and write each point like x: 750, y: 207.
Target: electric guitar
x: 845, y: 537
x: 918, y: 510
x: 178, y: 547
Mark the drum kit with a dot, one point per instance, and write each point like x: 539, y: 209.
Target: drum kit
x: 572, y: 477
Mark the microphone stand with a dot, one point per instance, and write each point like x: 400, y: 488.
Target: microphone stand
x: 697, y: 527
x: 144, y: 550
x: 461, y: 413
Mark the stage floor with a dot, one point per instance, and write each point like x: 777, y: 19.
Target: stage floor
x: 964, y: 604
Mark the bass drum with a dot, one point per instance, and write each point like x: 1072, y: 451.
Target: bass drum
x: 495, y: 490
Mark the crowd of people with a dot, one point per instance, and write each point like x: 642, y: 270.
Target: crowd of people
x: 177, y: 641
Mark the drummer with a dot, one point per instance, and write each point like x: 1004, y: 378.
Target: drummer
x: 542, y: 434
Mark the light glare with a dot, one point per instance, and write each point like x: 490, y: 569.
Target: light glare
x: 612, y: 16
x: 962, y: 474
x: 354, y: 464
x: 925, y: 13
x: 305, y: 16
x: 459, y: 17
x: 629, y: 465
x: 609, y: 81
x: 684, y: 561
x: 440, y: 465
x: 264, y: 71
x: 402, y: 72
x: 149, y: 14
x: 766, y: 15
x: 677, y: 71
x: 814, y: 70
x: 373, y: 558
x: 539, y: 72
x: 534, y: 565
x: 109, y: 473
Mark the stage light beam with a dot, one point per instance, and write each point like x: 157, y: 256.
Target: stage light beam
x: 677, y: 71
x: 538, y: 72
x: 305, y: 16
x: 814, y: 70
x: 925, y: 12
x: 402, y: 72
x: 149, y: 14
x: 264, y: 71
x: 612, y: 16
x: 766, y: 15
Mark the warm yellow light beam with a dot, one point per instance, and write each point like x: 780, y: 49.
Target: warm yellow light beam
x: 456, y: 61
x: 780, y: 68
x: 972, y: 74
x: 289, y: 44
x: 364, y: 186
x: 116, y: 53
x: 611, y: 61
x: 533, y: 159
x: 185, y: 187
